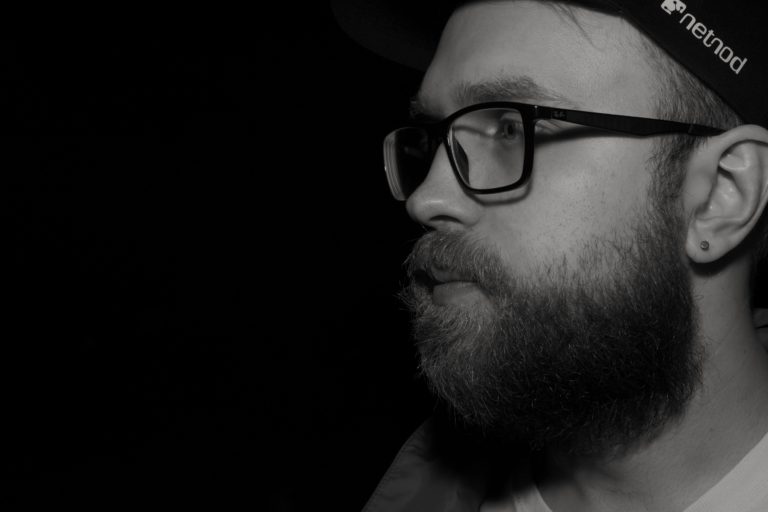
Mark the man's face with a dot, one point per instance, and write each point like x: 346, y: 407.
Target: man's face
x: 559, y: 312
x: 581, y: 188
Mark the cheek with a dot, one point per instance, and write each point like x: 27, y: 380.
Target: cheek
x: 594, y: 189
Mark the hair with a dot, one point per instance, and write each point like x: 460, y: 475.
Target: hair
x: 681, y: 96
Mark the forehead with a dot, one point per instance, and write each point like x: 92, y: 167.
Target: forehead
x: 595, y: 62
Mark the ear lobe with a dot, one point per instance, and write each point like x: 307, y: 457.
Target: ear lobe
x: 735, y: 196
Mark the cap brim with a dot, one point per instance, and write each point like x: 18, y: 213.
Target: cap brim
x: 404, y: 32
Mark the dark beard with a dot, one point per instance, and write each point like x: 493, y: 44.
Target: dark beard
x: 588, y: 361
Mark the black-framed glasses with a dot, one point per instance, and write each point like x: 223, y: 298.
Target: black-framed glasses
x: 490, y: 145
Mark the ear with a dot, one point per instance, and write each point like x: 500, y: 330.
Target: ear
x: 726, y: 191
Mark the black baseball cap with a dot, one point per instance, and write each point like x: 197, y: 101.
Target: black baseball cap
x: 724, y: 44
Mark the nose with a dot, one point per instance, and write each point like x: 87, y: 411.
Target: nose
x: 441, y: 202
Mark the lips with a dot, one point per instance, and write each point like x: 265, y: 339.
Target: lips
x: 447, y: 287
x: 455, y: 291
x: 431, y: 277
x: 442, y: 277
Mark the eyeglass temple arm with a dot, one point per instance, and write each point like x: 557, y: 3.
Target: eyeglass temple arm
x: 626, y: 124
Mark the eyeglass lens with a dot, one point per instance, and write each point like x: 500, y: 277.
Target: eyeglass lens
x: 487, y: 146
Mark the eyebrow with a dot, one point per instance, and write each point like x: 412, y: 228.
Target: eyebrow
x: 504, y: 88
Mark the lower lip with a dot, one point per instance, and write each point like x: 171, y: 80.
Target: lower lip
x: 455, y: 292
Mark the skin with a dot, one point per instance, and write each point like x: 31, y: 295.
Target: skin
x: 580, y: 188
x: 595, y: 187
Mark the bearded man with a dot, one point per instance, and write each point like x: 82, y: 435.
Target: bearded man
x: 592, y: 177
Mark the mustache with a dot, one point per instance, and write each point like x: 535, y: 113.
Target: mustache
x: 457, y: 255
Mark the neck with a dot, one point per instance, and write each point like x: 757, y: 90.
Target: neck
x: 724, y: 420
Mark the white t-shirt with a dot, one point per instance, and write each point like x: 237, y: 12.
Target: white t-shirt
x: 743, y: 489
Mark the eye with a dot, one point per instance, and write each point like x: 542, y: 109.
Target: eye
x: 509, y: 129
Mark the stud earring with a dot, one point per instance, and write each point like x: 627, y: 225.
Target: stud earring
x: 704, y: 245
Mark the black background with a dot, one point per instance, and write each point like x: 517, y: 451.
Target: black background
x: 202, y: 262
x: 203, y: 259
